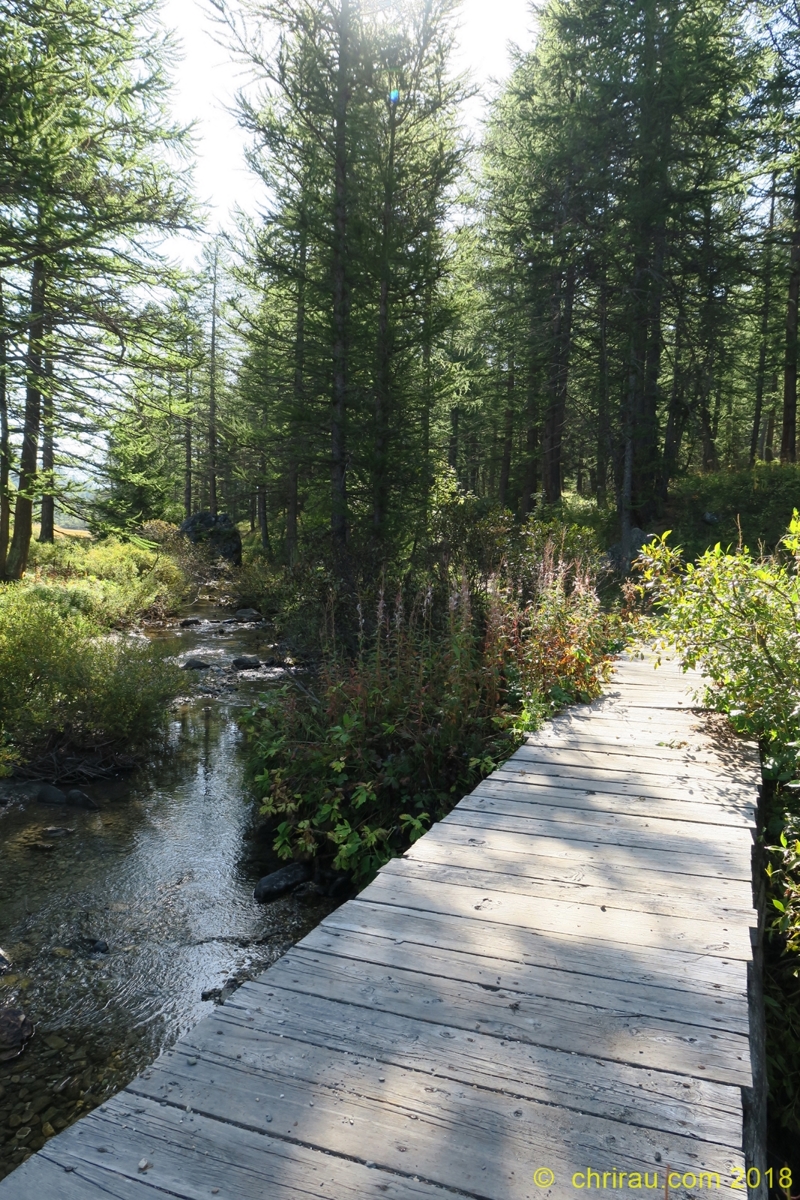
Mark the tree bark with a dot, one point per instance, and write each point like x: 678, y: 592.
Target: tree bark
x: 341, y: 302
x: 765, y: 309
x: 563, y: 295
x: 508, y: 442
x: 298, y: 387
x: 380, y: 481
x: 452, y: 453
x: 789, y: 430
x: 212, y: 395
x: 23, y: 510
x: 47, y: 526
x: 5, y: 447
x: 603, y: 449
x: 261, y: 504
x: 187, y: 466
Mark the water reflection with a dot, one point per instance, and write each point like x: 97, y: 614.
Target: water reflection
x: 163, y: 875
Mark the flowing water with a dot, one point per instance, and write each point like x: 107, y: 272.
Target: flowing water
x: 163, y: 874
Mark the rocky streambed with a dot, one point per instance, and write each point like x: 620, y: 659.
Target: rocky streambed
x: 123, y: 919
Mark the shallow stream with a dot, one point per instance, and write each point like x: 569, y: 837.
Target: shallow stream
x: 163, y: 874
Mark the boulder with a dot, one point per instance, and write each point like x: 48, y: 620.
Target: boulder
x: 218, y: 533
x: 100, y: 947
x: 78, y: 799
x: 48, y: 794
x: 616, y: 559
x: 246, y: 662
x: 187, y: 621
x: 247, y: 614
x: 16, y: 1030
x: 274, y: 885
x: 196, y: 664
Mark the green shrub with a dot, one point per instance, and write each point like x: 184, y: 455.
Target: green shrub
x: 737, y: 617
x: 355, y: 766
x: 66, y: 685
x: 758, y: 501
x: 111, y: 581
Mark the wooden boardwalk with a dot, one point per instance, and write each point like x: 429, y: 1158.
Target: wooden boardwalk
x: 553, y: 981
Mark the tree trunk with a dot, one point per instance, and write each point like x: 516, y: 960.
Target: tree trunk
x: 789, y: 431
x: 563, y: 295
x: 262, y: 504
x: 23, y: 510
x: 298, y: 386
x: 5, y: 447
x: 508, y: 442
x: 341, y: 302
x: 762, y: 350
x: 603, y: 449
x: 212, y: 395
x: 452, y: 453
x: 187, y: 466
x: 380, y: 481
x: 47, y: 527
x: 676, y: 414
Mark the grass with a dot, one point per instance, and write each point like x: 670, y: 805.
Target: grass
x: 73, y: 683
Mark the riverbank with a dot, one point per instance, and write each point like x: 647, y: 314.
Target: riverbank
x: 162, y: 874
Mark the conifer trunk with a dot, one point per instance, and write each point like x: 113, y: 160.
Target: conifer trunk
x: 298, y: 387
x: 762, y: 350
x: 789, y: 430
x: 563, y: 297
x: 212, y: 396
x: 380, y: 482
x: 261, y: 503
x: 5, y: 447
x: 340, y: 291
x: 47, y: 527
x: 23, y: 510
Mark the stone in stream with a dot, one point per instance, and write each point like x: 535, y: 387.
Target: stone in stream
x: 48, y: 794
x: 196, y: 664
x: 78, y: 799
x: 247, y: 614
x: 274, y: 885
x: 16, y: 1030
x: 187, y: 621
x: 246, y: 662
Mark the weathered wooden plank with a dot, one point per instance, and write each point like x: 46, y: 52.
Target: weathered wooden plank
x: 648, y: 769
x: 581, y: 1028
x: 482, y: 1142
x: 679, y: 892
x: 731, y: 853
x: 533, y: 762
x: 566, y: 952
x: 191, y: 1154
x: 618, y: 927
x: 556, y: 975
x: 683, y: 1006
x: 655, y: 1099
x: 653, y: 748
x: 568, y: 806
x: 661, y: 901
x: 574, y: 846
x: 589, y: 799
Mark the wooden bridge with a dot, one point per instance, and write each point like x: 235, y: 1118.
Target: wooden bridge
x: 547, y: 996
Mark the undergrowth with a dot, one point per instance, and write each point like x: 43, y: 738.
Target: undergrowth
x: 110, y: 581
x: 737, y: 617
x: 68, y: 687
x: 355, y: 764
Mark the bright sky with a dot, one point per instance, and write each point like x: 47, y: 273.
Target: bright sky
x: 206, y: 83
